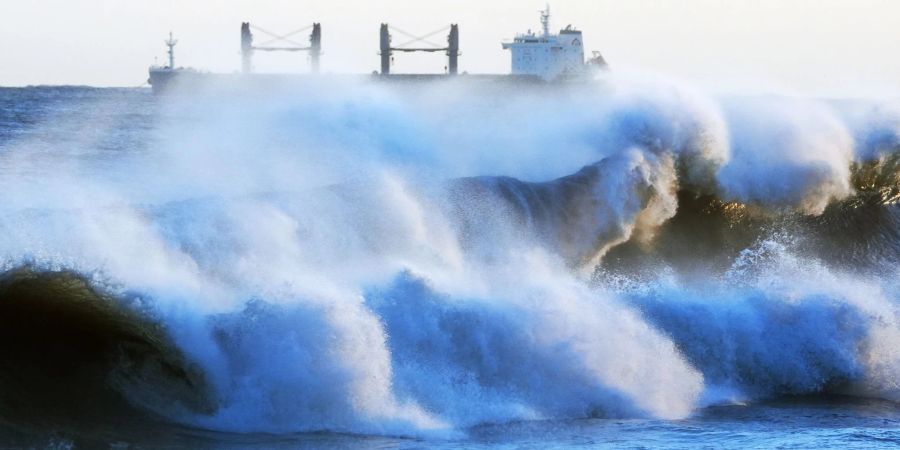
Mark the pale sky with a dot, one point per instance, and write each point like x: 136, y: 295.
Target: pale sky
x: 801, y: 47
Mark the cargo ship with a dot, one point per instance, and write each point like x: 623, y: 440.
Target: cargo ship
x: 536, y: 58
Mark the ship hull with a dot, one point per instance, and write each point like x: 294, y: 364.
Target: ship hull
x: 165, y: 81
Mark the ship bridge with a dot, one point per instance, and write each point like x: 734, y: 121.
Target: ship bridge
x: 548, y: 56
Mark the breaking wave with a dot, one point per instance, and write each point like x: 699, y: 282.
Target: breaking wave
x: 380, y: 261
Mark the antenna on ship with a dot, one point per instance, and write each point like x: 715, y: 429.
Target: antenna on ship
x: 171, y: 44
x: 545, y: 20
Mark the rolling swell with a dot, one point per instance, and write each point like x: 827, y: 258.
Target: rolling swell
x: 72, y: 355
x: 690, y: 229
x: 706, y: 235
x: 703, y: 253
x: 582, y: 215
x: 859, y: 233
x: 784, y: 295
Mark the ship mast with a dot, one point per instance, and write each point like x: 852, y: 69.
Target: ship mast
x: 171, y: 44
x: 545, y: 20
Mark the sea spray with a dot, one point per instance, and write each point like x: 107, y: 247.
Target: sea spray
x: 377, y: 261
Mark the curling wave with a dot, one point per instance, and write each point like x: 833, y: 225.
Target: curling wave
x: 297, y: 264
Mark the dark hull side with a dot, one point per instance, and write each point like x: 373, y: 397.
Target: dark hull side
x: 170, y: 81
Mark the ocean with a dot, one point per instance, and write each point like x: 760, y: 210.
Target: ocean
x: 626, y: 263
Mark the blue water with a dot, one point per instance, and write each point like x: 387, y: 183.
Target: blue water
x: 789, y: 424
x: 623, y: 265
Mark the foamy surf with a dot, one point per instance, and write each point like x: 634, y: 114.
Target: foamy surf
x: 366, y: 262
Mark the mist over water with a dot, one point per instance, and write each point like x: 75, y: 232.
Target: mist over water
x: 420, y: 260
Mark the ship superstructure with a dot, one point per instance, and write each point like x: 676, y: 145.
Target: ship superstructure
x: 548, y: 56
x: 162, y: 75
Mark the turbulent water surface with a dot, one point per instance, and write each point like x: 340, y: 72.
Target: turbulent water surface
x: 627, y: 263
